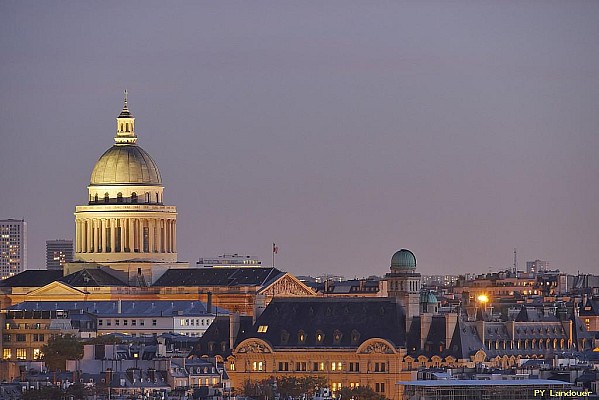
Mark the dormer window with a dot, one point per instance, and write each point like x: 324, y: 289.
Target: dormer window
x: 337, y: 335
x: 355, y: 337
x: 262, y: 328
x: 319, y: 337
x: 301, y: 337
x: 284, y: 337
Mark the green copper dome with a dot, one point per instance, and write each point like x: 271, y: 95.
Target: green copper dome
x: 428, y: 298
x: 403, y: 260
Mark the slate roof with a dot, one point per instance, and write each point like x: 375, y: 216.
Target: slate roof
x: 590, y: 308
x: 92, y: 277
x: 465, y: 341
x: 345, y: 323
x: 215, y: 341
x: 219, y: 276
x: 528, y: 314
x: 32, y: 278
x: 128, y: 308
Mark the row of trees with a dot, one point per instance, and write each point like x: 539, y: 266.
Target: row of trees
x: 296, y: 387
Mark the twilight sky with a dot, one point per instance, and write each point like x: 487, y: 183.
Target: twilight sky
x: 341, y: 130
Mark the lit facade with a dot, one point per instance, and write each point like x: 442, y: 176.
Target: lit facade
x: 13, y: 247
x: 58, y: 252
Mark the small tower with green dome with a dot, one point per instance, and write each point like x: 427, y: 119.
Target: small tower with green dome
x: 403, y: 283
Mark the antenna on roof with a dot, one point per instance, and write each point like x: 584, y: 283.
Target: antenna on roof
x: 515, y: 260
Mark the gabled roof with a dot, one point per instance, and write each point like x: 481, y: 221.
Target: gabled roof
x: 342, y: 323
x: 589, y: 309
x: 465, y: 341
x: 219, y: 276
x: 32, y: 278
x: 92, y: 277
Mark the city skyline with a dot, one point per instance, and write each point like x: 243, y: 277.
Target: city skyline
x: 342, y: 132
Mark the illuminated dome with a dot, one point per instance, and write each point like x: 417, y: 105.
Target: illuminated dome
x: 125, y: 164
x: 403, y: 260
x: 125, y: 218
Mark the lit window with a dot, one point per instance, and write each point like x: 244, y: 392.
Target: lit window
x: 6, y: 354
x: 258, y: 366
x: 21, y: 354
x: 37, y: 354
x: 262, y: 328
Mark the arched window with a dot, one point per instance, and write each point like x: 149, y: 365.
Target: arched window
x: 106, y: 197
x: 119, y: 197
x: 319, y: 337
x: 127, y: 126
x: 147, y: 197
x: 133, y: 197
x: 301, y: 337
x: 96, y: 198
x: 157, y: 198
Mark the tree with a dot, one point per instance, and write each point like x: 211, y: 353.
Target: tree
x: 105, y: 339
x: 297, y: 386
x: 60, y: 349
x: 360, y: 393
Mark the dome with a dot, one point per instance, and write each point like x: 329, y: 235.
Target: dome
x: 403, y: 260
x: 125, y: 164
x: 428, y: 298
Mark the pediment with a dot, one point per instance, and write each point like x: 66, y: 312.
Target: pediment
x: 380, y: 346
x: 253, y: 346
x: 287, y: 285
x: 55, y: 289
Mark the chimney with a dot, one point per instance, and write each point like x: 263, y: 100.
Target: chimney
x: 451, y: 321
x: 425, y: 326
x: 233, y: 328
x: 259, y: 306
x: 209, y: 303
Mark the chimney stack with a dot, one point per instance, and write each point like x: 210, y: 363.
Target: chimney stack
x: 233, y: 328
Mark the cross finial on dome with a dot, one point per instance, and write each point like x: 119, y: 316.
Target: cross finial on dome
x: 125, y: 98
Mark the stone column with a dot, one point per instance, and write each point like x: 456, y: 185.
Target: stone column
x: 151, y: 225
x: 112, y: 235
x: 88, y: 238
x: 131, y: 231
x: 124, y: 233
x: 174, y: 236
x: 168, y: 236
x: 77, y: 232
x: 158, y: 235
x: 103, y: 226
x: 100, y: 234
x: 96, y: 232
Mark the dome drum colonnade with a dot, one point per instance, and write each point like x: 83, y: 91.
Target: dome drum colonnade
x: 125, y: 218
x: 126, y: 235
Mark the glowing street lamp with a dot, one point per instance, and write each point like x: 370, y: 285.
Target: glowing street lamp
x: 483, y: 298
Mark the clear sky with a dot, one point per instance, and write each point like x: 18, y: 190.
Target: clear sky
x: 341, y: 130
